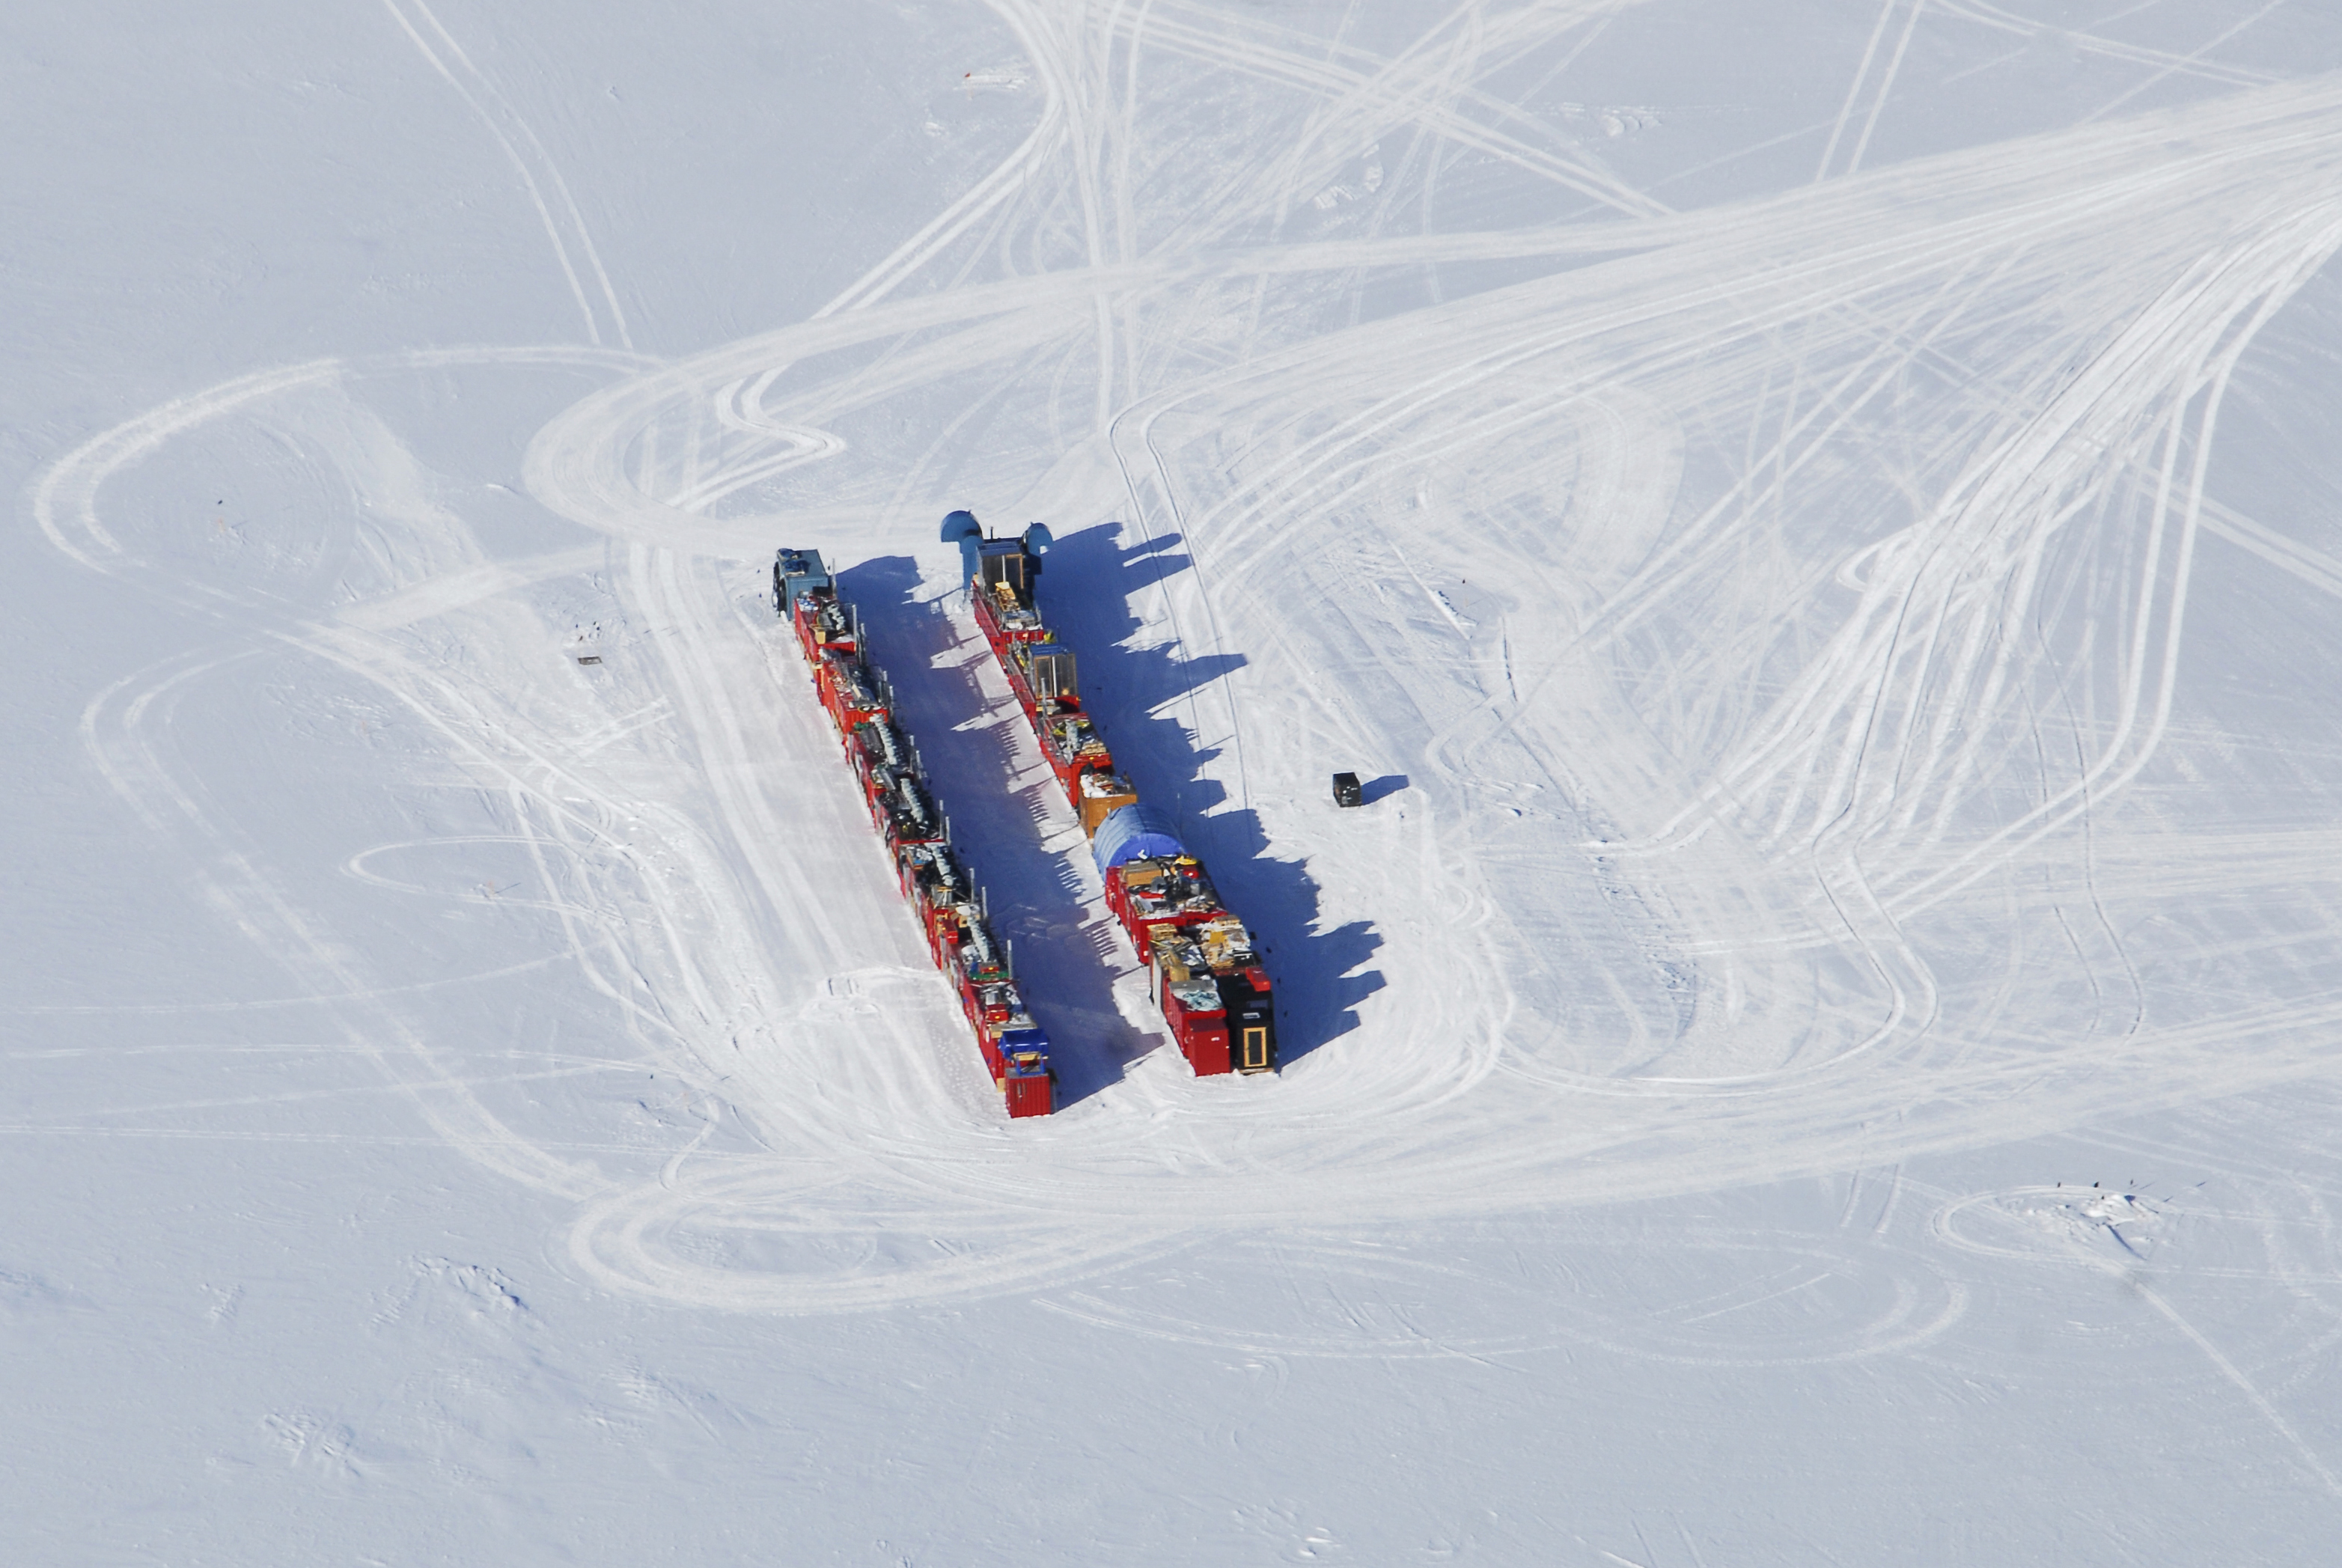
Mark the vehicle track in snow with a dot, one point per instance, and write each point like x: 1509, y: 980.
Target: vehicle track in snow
x: 1812, y: 525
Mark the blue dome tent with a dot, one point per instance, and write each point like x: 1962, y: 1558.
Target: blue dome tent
x: 1134, y: 833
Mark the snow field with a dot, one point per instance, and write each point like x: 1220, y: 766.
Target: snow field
x: 1836, y: 605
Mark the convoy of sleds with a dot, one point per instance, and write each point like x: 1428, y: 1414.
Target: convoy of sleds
x: 951, y: 912
x: 1204, y: 972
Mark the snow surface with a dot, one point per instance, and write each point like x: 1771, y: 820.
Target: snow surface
x: 1820, y: 524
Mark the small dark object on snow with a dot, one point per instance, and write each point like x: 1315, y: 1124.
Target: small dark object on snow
x: 1348, y: 791
x: 589, y: 658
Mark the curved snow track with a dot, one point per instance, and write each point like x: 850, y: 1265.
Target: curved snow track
x: 1773, y: 608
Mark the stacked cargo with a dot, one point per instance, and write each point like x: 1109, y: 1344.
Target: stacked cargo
x: 1202, y: 971
x: 952, y: 916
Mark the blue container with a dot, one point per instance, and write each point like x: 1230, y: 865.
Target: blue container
x: 1034, y: 1039
x: 1132, y: 833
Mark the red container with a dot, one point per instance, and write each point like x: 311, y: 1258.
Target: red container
x: 1174, y: 890
x: 1030, y: 1088
x: 1199, y: 1023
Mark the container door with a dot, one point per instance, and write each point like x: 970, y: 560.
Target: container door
x: 1255, y: 1049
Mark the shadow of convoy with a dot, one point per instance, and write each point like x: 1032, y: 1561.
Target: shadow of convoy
x: 1008, y: 821
x: 1087, y: 584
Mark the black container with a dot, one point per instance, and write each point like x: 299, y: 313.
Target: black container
x: 1348, y: 791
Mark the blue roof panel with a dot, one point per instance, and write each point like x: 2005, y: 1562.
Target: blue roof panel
x: 1134, y: 833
